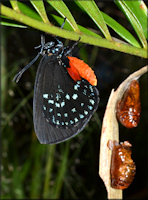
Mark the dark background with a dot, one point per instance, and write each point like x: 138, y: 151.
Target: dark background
x: 20, y: 146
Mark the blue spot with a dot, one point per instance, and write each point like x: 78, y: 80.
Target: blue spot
x: 50, y: 109
x: 57, y: 105
x: 45, y: 96
x: 90, y: 107
x: 62, y: 103
x: 76, y: 87
x: 91, y: 88
x: 85, y: 112
x: 71, y: 122
x: 75, y: 119
x: 92, y: 101
x: 60, y: 90
x: 58, y: 96
x: 84, y: 92
x: 57, y: 122
x: 59, y: 114
x: 65, y: 114
x: 74, y: 96
x: 51, y: 101
x: 73, y: 110
x: 81, y: 116
x: 53, y: 119
x: 67, y: 96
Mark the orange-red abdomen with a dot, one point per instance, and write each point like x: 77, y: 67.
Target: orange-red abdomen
x: 78, y: 69
x: 129, y: 107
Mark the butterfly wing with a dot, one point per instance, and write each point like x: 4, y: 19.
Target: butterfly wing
x: 61, y: 107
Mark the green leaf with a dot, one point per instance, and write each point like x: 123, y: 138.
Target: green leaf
x: 120, y: 30
x: 6, y: 21
x: 12, y: 24
x: 26, y: 10
x: 62, y: 9
x: 39, y: 6
x: 93, y: 11
x: 140, y: 11
x: 129, y: 12
x: 15, y: 5
x: 92, y: 40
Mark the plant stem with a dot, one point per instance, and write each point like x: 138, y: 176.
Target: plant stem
x: 72, y: 35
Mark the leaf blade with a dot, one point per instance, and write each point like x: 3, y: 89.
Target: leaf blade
x: 39, y: 6
x: 93, y: 11
x: 15, y: 5
x: 140, y: 11
x: 133, y: 20
x: 26, y: 10
x: 63, y: 10
x: 120, y: 30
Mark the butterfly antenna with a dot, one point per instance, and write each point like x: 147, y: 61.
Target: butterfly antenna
x: 19, y: 74
x: 73, y: 46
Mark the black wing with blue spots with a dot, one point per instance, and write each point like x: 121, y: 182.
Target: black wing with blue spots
x: 61, y: 107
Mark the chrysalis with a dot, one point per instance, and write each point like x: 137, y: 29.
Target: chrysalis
x: 129, y: 108
x: 123, y: 168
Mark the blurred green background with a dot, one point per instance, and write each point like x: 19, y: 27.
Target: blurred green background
x: 68, y: 170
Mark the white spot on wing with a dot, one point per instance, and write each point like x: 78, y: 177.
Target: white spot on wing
x: 62, y: 103
x: 74, y: 96
x: 85, y: 112
x: 67, y: 96
x: 59, y: 114
x: 92, y: 101
x: 51, y: 101
x: 90, y: 107
x: 50, y: 109
x: 73, y: 110
x: 57, y: 105
x: 45, y: 96
x: 65, y: 115
x: 81, y: 116
x: 75, y: 119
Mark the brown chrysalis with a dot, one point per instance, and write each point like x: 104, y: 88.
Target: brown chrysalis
x: 123, y: 168
x: 129, y: 107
